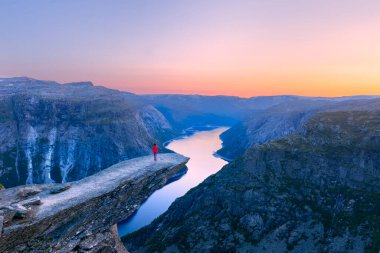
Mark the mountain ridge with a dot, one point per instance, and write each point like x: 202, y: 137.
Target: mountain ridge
x: 316, y: 190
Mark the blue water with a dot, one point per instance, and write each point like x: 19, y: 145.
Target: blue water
x: 200, y: 147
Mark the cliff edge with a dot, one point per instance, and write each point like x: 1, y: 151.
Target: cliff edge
x: 80, y: 216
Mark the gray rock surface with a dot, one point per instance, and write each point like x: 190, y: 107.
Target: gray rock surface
x: 28, y: 191
x: 20, y: 211
x: 82, y: 217
x: 60, y: 188
x: 1, y: 224
x: 31, y: 202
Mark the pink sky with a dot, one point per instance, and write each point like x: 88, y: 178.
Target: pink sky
x: 244, y: 48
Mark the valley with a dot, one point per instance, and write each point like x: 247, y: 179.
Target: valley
x: 313, y: 191
x: 195, y: 126
x: 303, y: 175
x: 200, y: 148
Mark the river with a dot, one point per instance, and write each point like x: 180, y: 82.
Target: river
x: 200, y: 147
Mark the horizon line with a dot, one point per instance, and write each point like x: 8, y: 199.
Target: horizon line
x: 190, y: 94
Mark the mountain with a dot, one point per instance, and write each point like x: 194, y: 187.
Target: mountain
x: 55, y: 132
x: 184, y: 111
x: 316, y: 190
x: 278, y: 120
x: 65, y: 132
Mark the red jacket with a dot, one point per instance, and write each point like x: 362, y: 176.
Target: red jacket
x: 155, y: 149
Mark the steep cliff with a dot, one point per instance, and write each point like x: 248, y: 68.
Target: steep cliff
x: 275, y: 121
x: 79, y: 217
x: 313, y: 191
x: 54, y: 132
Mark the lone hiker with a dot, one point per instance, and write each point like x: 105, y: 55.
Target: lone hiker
x: 155, y: 151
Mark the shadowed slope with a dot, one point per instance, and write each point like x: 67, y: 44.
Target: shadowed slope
x: 318, y: 190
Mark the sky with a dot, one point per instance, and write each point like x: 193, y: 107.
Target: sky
x: 213, y: 47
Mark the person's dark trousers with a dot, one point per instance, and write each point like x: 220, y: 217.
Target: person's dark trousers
x: 155, y: 156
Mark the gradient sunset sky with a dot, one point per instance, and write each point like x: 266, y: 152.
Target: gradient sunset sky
x: 236, y: 47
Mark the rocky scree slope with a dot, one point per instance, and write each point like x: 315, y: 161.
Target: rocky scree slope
x: 54, y: 132
x: 314, y: 191
x: 80, y: 216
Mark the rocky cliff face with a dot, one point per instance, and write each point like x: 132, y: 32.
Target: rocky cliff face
x: 54, y: 132
x: 313, y: 191
x: 79, y: 216
x: 274, y: 121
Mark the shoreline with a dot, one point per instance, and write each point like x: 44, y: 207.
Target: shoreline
x: 222, y: 157
x: 187, y: 133
x: 192, y: 130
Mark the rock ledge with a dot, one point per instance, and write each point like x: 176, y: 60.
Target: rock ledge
x: 84, y: 212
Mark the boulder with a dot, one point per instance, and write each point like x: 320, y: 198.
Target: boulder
x: 20, y: 211
x: 28, y: 191
x: 8, y: 213
x: 31, y: 202
x: 60, y: 188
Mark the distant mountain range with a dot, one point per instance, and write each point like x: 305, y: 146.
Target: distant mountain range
x: 281, y: 119
x: 64, y: 132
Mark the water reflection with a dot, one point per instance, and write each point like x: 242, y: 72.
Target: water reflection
x: 200, y: 147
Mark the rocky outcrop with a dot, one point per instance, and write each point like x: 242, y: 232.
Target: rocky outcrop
x: 54, y: 132
x: 314, y: 191
x: 80, y: 216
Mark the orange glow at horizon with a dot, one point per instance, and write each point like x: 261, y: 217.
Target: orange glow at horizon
x: 215, y: 47
x: 324, y: 86
x: 333, y: 63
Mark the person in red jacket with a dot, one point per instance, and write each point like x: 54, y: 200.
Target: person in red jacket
x: 155, y: 151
